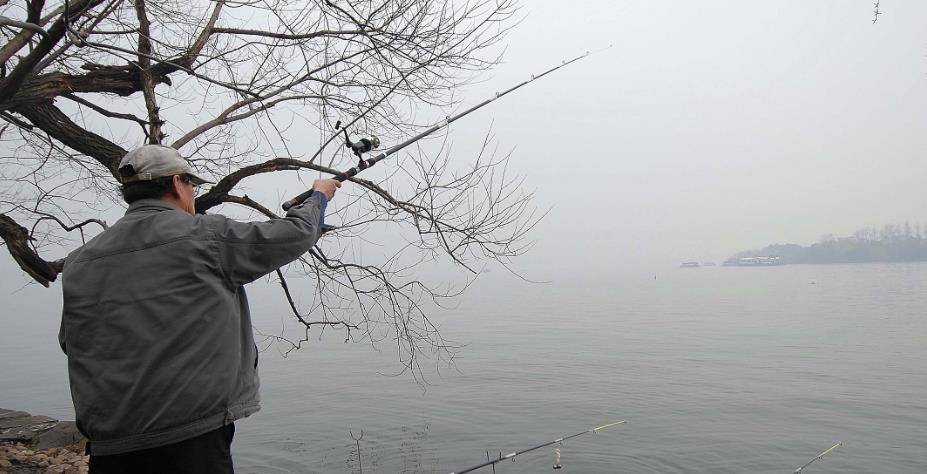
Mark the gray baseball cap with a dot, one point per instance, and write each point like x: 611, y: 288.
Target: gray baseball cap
x: 155, y: 161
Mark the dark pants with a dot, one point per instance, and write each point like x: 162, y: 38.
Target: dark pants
x: 207, y: 453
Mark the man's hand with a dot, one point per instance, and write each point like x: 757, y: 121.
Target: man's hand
x: 326, y: 187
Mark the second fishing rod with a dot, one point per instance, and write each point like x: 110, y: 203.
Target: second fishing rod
x: 366, y: 145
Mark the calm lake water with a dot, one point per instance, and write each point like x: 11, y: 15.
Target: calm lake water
x: 715, y: 370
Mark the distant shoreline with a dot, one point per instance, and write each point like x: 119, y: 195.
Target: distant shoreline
x: 892, y: 262
x: 892, y: 244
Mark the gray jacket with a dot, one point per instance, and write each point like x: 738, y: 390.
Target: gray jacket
x: 156, y: 324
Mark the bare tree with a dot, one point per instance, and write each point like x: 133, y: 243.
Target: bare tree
x: 234, y: 85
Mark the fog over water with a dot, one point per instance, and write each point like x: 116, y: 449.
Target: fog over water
x: 722, y: 369
x: 707, y: 128
x: 711, y: 127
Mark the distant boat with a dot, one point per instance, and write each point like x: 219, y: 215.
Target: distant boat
x: 689, y: 265
x: 759, y: 261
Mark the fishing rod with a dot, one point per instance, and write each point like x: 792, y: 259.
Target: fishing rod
x: 493, y: 462
x: 819, y: 456
x: 365, y: 145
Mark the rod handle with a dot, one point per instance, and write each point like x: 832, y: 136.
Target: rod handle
x: 339, y: 177
x: 297, y: 200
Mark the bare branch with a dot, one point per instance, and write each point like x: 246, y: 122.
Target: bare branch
x: 147, y: 78
x: 17, y: 242
x: 29, y: 27
x: 54, y: 122
x: 11, y: 84
x: 303, y: 36
x: 107, y: 113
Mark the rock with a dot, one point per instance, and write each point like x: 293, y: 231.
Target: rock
x: 15, y: 422
x: 39, y: 444
x: 37, y: 432
x: 4, y: 413
x: 64, y: 433
x: 24, y: 428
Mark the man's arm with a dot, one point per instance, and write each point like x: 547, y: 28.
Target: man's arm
x: 250, y: 250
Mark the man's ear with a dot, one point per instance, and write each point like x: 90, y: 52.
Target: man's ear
x: 177, y: 185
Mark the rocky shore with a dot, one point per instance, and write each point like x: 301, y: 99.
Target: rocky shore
x: 35, y: 444
x: 17, y: 458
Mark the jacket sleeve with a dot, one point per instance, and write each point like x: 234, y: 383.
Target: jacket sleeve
x: 61, y: 337
x: 250, y: 250
x: 62, y: 334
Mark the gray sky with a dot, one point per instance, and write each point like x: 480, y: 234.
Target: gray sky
x: 711, y: 127
x: 708, y: 128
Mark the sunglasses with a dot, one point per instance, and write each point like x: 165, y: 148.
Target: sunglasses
x: 189, y: 180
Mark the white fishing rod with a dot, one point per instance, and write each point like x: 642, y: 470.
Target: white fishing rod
x: 493, y: 462
x: 365, y: 145
x: 819, y: 456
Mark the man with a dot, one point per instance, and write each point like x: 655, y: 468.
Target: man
x: 156, y: 326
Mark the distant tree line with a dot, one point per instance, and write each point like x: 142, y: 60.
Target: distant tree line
x: 892, y: 243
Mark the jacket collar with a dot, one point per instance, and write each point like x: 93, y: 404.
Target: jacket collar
x: 151, y: 205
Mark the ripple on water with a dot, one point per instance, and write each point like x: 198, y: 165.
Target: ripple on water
x: 721, y: 371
